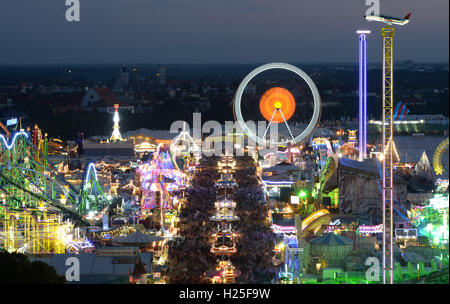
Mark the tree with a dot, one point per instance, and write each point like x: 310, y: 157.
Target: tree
x: 18, y: 269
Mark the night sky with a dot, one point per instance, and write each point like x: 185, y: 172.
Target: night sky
x: 215, y: 31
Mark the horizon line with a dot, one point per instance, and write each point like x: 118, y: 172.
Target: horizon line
x: 212, y: 63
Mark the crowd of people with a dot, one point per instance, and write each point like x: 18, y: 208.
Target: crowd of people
x: 256, y: 242
x: 189, y: 254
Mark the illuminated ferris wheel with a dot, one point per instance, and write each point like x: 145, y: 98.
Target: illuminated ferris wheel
x: 437, y: 157
x: 277, y: 106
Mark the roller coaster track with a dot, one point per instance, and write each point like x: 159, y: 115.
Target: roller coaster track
x: 89, y: 185
x: 329, y: 169
x: 24, y: 167
x: 327, y: 172
x: 72, y: 213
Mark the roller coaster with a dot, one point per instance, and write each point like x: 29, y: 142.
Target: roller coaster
x: 28, y: 181
x: 328, y: 171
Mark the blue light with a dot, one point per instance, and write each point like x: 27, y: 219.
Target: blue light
x: 278, y: 183
x: 16, y: 134
x: 362, y: 97
x: 12, y: 121
x: 91, y: 167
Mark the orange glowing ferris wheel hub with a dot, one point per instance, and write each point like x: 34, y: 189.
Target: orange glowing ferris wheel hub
x: 277, y: 100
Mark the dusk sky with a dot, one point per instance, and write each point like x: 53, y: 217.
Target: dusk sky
x: 215, y: 31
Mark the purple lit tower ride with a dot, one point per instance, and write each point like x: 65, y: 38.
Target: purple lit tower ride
x: 362, y: 94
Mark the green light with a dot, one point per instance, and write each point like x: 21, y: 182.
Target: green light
x: 302, y: 194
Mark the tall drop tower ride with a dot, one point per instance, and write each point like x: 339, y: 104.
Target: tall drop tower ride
x: 387, y: 147
x: 362, y: 93
x: 387, y: 34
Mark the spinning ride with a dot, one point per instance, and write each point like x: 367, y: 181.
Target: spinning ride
x: 160, y: 177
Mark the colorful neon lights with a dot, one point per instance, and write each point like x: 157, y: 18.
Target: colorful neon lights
x: 90, y: 167
x: 13, y: 140
x: 362, y: 94
x: 370, y: 229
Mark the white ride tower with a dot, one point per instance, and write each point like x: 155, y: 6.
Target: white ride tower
x: 115, y: 136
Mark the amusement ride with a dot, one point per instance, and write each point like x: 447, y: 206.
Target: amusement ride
x: 277, y: 105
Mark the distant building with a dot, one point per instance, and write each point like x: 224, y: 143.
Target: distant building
x: 411, y: 124
x: 146, y: 140
x: 111, y: 265
x: 123, y: 81
x: 161, y: 75
x: 103, y: 100
x: 121, y: 148
x: 154, y: 136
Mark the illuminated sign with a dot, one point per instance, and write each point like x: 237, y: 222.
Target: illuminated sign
x: 335, y: 223
x: 114, y: 251
x: 283, y: 229
x: 295, y: 200
x: 11, y: 122
x: 371, y: 229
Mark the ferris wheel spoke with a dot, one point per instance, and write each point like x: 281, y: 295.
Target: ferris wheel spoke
x: 287, y: 126
x: 268, y: 126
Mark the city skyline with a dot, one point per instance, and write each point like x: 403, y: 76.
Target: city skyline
x: 199, y: 32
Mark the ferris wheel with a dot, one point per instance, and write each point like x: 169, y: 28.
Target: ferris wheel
x: 277, y: 106
x: 437, y: 157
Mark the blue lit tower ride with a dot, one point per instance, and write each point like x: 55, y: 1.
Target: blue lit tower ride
x: 362, y: 93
